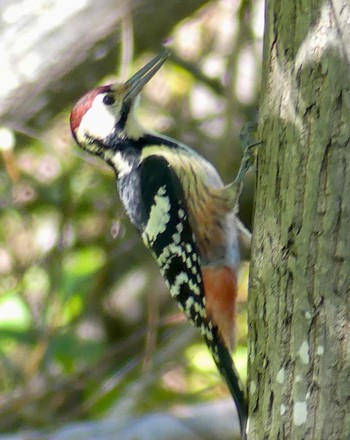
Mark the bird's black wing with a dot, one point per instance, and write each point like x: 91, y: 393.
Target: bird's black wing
x: 161, y: 215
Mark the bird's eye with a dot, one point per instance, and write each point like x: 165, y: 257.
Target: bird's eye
x: 108, y: 100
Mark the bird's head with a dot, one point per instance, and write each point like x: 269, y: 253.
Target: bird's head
x: 104, y: 116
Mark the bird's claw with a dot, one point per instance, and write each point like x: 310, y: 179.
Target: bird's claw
x: 248, y: 145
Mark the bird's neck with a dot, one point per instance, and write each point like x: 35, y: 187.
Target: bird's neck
x: 122, y: 155
x: 132, y: 129
x: 125, y: 149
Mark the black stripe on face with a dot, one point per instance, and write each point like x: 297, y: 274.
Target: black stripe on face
x: 124, y: 113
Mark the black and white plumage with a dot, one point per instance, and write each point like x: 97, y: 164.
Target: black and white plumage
x: 178, y: 203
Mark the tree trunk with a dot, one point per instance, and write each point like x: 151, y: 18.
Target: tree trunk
x: 299, y: 309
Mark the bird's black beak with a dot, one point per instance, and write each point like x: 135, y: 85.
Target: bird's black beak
x: 135, y: 84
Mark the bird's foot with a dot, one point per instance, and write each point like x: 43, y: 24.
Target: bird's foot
x: 248, y: 145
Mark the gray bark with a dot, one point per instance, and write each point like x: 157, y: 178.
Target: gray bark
x: 300, y: 275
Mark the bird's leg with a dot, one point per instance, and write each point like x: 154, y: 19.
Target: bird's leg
x: 234, y: 189
x: 248, y: 145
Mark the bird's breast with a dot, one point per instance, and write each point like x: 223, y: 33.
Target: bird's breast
x: 211, y: 218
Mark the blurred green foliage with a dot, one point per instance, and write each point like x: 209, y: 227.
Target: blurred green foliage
x: 84, y: 314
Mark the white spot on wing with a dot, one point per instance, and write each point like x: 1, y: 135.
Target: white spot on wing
x: 159, y: 216
x: 179, y: 228
x: 209, y: 335
x: 176, y: 238
x: 194, y: 287
x: 189, y: 302
x: 161, y: 191
x: 181, y: 278
x: 181, y: 213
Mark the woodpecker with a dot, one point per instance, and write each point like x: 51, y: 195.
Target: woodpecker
x: 178, y: 203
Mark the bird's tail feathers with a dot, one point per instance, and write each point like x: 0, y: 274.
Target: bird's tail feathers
x: 225, y: 365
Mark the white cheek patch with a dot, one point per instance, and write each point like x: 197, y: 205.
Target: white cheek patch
x: 98, y: 122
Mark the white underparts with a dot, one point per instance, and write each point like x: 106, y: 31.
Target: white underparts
x: 120, y: 163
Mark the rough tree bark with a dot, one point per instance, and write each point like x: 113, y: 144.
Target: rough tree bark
x: 299, y: 309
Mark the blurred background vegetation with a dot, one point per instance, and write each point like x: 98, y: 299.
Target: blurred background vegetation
x: 87, y: 327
